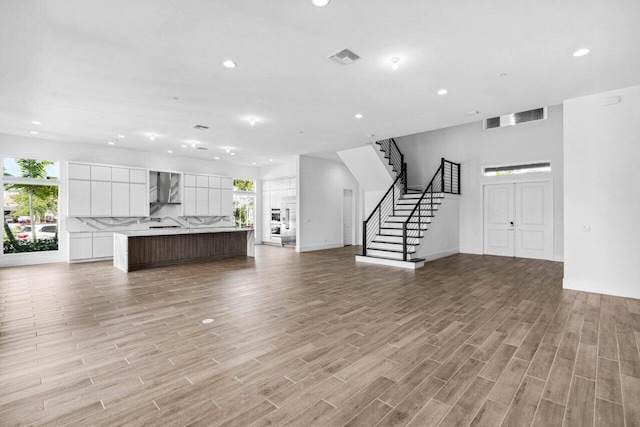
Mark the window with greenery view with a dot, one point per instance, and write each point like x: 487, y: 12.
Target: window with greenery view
x: 244, y: 202
x: 30, y: 205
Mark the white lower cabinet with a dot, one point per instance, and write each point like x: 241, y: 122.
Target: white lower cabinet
x: 80, y: 246
x: 102, y: 245
x: 100, y: 198
x: 138, y: 204
x: 120, y: 198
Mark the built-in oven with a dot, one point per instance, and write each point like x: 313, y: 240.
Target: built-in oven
x: 275, y: 215
x: 275, y: 223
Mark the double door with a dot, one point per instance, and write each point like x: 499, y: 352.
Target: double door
x: 518, y: 220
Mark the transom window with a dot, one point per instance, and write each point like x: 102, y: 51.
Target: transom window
x: 517, y: 169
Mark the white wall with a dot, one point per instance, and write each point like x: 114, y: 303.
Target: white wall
x: 321, y: 184
x: 443, y: 237
x: 602, y: 191
x: 25, y: 147
x: 474, y: 148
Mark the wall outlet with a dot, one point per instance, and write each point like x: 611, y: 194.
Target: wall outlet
x: 586, y: 228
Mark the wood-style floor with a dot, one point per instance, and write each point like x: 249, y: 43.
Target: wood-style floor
x: 314, y: 339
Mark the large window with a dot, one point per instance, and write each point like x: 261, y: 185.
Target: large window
x: 244, y: 203
x: 30, y: 205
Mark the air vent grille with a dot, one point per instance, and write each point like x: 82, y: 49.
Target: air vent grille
x: 202, y: 148
x: 516, y: 118
x: 344, y: 57
x: 200, y: 127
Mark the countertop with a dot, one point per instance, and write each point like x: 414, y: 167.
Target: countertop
x: 174, y: 231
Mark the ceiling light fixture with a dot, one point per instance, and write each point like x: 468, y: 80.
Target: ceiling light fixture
x: 229, y: 64
x: 217, y: 158
x: 152, y: 137
x: 320, y: 3
x: 228, y: 150
x: 395, y: 63
x: 254, y: 163
x: 581, y: 52
x: 442, y: 92
x: 33, y: 132
x: 36, y: 123
x: 233, y: 154
x: 111, y: 143
x: 271, y: 160
x: 121, y: 136
x: 170, y: 151
x: 252, y: 121
x: 184, y: 145
x: 358, y: 116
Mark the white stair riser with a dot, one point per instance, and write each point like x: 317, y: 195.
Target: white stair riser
x: 390, y: 246
x: 396, y: 239
x: 388, y: 255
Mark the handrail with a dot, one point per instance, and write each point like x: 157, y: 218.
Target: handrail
x: 384, y: 197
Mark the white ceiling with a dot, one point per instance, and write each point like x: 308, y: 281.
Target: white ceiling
x: 89, y: 70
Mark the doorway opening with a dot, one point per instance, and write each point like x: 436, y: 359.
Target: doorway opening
x: 347, y: 218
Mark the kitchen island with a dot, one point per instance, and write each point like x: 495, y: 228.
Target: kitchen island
x: 135, y: 250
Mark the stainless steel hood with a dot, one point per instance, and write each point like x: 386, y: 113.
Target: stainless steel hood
x: 164, y: 188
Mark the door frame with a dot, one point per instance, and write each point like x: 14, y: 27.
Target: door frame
x: 353, y: 216
x: 521, y: 181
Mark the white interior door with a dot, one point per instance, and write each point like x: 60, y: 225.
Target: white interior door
x: 518, y: 220
x: 534, y: 220
x: 499, y: 220
x: 347, y: 212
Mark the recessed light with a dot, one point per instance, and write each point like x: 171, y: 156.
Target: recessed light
x: 229, y: 64
x: 358, y: 116
x: 217, y: 158
x: 152, y: 137
x: 121, y: 136
x: 370, y: 135
x: 36, y: 123
x: 33, y: 132
x: 252, y: 121
x: 320, y: 3
x: 395, y: 63
x: 111, y: 143
x: 254, y: 163
x: 228, y: 150
x: 442, y: 92
x: 184, y: 145
x: 271, y: 160
x: 581, y: 52
x: 170, y: 151
x: 233, y: 154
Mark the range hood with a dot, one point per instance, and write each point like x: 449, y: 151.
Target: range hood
x: 164, y: 189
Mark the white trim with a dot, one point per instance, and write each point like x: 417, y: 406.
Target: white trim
x: 390, y: 262
x: 616, y: 289
x: 441, y: 254
x: 471, y: 250
x: 558, y: 258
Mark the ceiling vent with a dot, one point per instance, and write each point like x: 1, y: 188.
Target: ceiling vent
x: 201, y: 127
x: 202, y: 148
x: 344, y: 57
x: 516, y: 118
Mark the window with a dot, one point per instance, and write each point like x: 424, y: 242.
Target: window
x: 30, y: 205
x: 244, y: 203
x: 517, y: 169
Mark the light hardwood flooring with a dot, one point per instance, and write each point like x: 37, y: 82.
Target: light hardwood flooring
x: 315, y: 339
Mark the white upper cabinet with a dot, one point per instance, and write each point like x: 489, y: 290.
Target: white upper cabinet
x: 100, y: 198
x: 79, y: 197
x: 120, y: 198
x: 120, y: 175
x: 189, y: 201
x: 226, y: 202
x: 214, y: 182
x: 189, y: 180
x: 202, y: 181
x: 202, y: 201
x: 214, y: 201
x: 138, y: 203
x: 79, y: 171
x: 138, y: 176
x: 226, y: 183
x: 100, y: 173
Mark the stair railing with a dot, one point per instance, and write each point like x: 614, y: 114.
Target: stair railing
x: 445, y: 180
x: 392, y: 152
x: 387, y: 206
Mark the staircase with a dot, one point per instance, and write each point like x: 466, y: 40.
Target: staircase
x: 392, y: 234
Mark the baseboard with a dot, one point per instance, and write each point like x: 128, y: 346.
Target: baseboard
x: 558, y: 258
x: 80, y: 261
x: 320, y: 247
x: 438, y: 255
x: 471, y: 250
x: 615, y: 289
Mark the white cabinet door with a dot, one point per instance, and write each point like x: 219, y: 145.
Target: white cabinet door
x: 214, y: 182
x: 120, y: 199
x: 226, y: 183
x: 202, y: 201
x: 103, y: 245
x: 226, y: 202
x: 214, y: 201
x: 138, y: 204
x: 266, y: 203
x: 79, y: 198
x: 202, y: 181
x: 119, y: 175
x: 138, y: 176
x: 189, y: 202
x: 189, y: 180
x: 79, y: 171
x: 80, y: 248
x: 100, y: 198
x: 100, y: 173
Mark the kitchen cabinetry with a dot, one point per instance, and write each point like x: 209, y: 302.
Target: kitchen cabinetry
x: 273, y: 192
x: 105, y: 191
x: 89, y: 246
x: 207, y: 195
